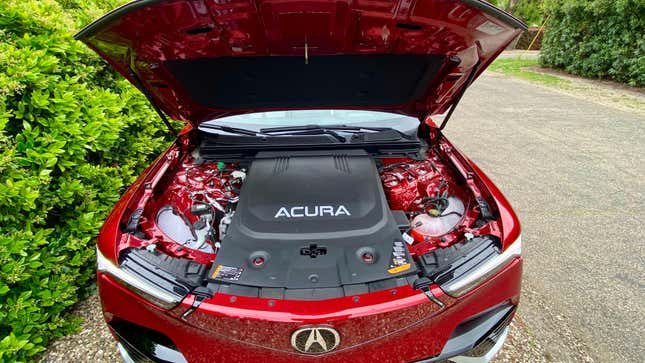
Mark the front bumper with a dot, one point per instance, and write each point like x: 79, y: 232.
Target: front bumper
x: 224, y: 329
x: 478, y: 349
x: 486, y: 356
x: 479, y: 339
x: 131, y: 355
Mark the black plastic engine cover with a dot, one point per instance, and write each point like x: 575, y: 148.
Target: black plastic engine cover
x: 311, y: 221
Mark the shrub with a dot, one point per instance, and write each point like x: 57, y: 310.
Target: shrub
x: 72, y: 135
x: 597, y: 38
x: 529, y: 36
x: 530, y: 11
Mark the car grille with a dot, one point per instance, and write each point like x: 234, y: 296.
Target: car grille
x: 488, y: 341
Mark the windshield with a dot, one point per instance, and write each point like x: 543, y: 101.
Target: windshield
x: 261, y: 120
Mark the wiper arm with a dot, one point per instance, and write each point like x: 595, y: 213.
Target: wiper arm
x: 305, y: 130
x: 271, y: 130
x: 316, y: 131
x: 361, y: 128
x: 301, y: 131
x: 318, y: 127
x: 232, y: 130
x: 330, y: 130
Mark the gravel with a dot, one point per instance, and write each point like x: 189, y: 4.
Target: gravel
x: 93, y: 343
x: 520, y: 346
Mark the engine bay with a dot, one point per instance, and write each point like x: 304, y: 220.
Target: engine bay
x: 311, y: 220
x: 307, y: 220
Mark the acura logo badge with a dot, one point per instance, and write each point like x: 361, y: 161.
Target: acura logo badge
x: 315, y: 340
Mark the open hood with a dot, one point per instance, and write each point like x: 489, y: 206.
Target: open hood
x: 198, y: 60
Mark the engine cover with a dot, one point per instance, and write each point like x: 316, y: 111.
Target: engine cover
x: 308, y: 221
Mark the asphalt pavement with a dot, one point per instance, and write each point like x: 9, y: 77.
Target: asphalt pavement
x: 573, y: 169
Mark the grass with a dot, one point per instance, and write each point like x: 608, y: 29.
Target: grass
x: 528, y: 69
x: 521, y: 68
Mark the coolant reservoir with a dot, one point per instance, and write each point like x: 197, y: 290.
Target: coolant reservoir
x: 427, y: 225
x: 175, y: 226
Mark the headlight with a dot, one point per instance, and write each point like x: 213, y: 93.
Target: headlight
x: 466, y: 282
x: 136, y: 284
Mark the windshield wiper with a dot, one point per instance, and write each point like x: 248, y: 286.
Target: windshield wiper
x: 332, y: 130
x: 232, y: 130
x: 319, y: 127
x: 304, y: 131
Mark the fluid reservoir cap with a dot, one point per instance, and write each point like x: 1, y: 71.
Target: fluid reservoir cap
x: 258, y: 259
x: 238, y: 175
x: 367, y: 255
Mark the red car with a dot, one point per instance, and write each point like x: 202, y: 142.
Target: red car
x: 311, y: 210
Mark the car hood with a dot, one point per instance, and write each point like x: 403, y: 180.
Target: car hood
x: 198, y: 60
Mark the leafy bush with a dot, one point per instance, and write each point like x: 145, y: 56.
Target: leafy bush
x: 72, y: 136
x: 530, y: 11
x: 528, y: 38
x: 597, y: 38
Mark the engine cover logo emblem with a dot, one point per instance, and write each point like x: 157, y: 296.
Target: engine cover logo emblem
x: 315, y: 340
x: 312, y: 211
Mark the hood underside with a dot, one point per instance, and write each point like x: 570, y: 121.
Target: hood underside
x: 203, y: 59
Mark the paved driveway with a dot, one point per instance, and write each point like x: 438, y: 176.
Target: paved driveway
x: 573, y: 169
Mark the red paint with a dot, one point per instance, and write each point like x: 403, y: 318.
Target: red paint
x: 188, y: 178
x: 405, y: 181
x: 184, y: 29
x: 108, y: 240
x: 392, y: 325
x: 508, y: 225
x: 380, y: 327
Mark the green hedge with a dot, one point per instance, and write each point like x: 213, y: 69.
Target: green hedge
x: 73, y: 135
x: 597, y: 38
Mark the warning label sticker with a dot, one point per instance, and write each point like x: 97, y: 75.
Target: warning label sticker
x: 400, y: 268
x: 407, y: 238
x: 227, y: 273
x: 400, y: 260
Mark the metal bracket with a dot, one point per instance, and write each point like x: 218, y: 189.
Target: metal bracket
x: 433, y: 298
x: 200, y: 293
x: 423, y: 284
